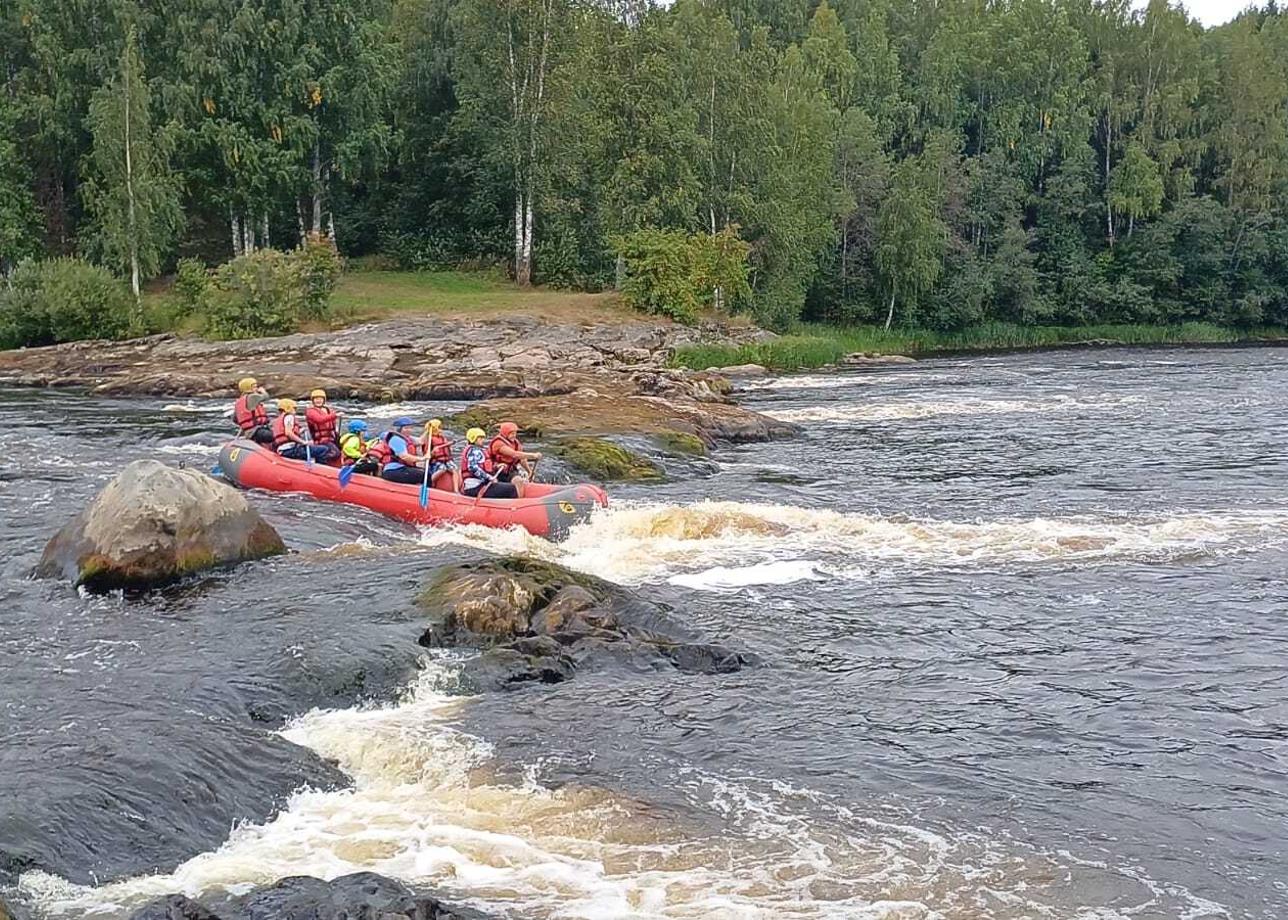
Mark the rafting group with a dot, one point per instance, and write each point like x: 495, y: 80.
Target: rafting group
x: 406, y: 453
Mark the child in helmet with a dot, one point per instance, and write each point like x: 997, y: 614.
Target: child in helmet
x: 439, y: 451
x: 323, y: 422
x: 354, y: 447
x: 287, y: 440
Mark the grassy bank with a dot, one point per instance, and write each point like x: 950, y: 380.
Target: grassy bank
x: 816, y: 346
x: 372, y: 295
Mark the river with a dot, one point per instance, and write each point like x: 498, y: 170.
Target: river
x: 1024, y: 653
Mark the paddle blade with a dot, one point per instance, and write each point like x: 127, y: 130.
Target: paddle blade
x: 346, y: 473
x: 424, y: 494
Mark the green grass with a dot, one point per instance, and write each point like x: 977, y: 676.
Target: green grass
x: 816, y: 346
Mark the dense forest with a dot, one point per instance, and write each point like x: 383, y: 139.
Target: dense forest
x: 931, y: 162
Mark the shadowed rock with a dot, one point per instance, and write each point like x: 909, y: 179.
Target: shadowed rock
x: 361, y: 895
x: 154, y: 524
x: 539, y: 622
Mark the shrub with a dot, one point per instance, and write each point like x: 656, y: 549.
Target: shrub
x: 192, y: 286
x: 319, y: 268
x: 258, y: 294
x: 62, y: 300
x: 270, y: 292
x: 674, y: 274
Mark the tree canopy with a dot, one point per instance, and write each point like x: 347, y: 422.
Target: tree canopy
x: 930, y: 162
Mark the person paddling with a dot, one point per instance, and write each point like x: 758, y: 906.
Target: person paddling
x: 354, y: 449
x: 507, y: 454
x: 480, y: 477
x: 287, y: 440
x: 403, y: 460
x: 439, y: 450
x: 323, y: 422
x: 250, y: 412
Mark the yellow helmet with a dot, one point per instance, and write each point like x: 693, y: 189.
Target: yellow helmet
x: 316, y: 392
x: 247, y: 385
x: 434, y: 424
x: 286, y: 405
x: 474, y: 435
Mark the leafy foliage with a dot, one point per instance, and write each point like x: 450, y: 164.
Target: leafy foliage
x: 270, y: 293
x: 61, y: 300
x: 677, y: 275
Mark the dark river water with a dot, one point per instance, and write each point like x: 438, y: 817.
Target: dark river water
x: 1023, y: 623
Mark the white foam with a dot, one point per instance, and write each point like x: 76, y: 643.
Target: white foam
x: 867, y: 411
x: 723, y: 578
x: 633, y: 543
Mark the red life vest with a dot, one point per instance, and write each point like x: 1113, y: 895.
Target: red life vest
x: 439, y: 449
x: 379, y: 449
x: 246, y: 418
x: 499, y: 463
x: 321, y: 424
x: 280, y: 438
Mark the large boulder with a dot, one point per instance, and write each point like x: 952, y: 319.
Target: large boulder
x: 539, y: 623
x: 154, y: 524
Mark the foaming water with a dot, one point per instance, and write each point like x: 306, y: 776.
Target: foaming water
x: 896, y: 411
x: 643, y: 542
x: 426, y: 809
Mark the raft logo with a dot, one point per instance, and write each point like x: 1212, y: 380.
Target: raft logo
x: 566, y: 507
x: 234, y: 454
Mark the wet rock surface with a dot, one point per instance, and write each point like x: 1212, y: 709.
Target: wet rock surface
x: 361, y: 895
x: 541, y: 623
x: 154, y: 524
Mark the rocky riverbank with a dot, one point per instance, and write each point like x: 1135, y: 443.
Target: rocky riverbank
x: 557, y: 378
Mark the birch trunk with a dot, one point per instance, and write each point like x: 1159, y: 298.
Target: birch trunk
x: 129, y: 193
x: 263, y: 230
x: 890, y: 314
x: 317, y: 189
x: 238, y: 244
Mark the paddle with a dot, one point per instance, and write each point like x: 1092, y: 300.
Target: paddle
x: 308, y: 446
x: 346, y: 473
x: 424, y: 485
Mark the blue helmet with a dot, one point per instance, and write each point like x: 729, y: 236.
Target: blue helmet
x: 403, y: 422
x: 357, y: 426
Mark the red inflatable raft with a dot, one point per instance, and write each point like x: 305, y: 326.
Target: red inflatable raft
x: 545, y: 510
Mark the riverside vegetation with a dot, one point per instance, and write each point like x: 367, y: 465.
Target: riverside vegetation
x: 917, y: 166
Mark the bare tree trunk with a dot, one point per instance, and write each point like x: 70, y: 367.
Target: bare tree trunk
x: 330, y: 227
x: 239, y: 248
x: 1109, y: 208
x: 129, y: 192
x: 523, y: 238
x: 263, y: 231
x: 248, y: 234
x: 619, y: 278
x: 890, y: 314
x: 299, y: 217
x: 317, y: 188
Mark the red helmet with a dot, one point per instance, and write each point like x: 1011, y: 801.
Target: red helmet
x: 509, y: 429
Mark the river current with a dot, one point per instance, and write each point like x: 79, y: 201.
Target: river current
x: 1023, y: 631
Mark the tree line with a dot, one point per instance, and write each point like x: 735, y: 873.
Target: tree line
x: 919, y: 162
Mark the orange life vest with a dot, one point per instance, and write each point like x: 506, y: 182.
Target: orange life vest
x: 499, y: 463
x: 280, y: 437
x: 439, y: 449
x: 246, y: 418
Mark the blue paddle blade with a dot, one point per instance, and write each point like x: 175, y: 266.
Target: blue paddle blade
x: 346, y: 473
x: 216, y: 470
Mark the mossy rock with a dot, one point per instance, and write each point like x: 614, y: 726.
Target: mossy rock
x: 681, y: 442
x: 489, y: 417
x: 606, y: 461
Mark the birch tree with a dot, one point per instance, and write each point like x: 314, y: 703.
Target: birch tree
x: 131, y: 196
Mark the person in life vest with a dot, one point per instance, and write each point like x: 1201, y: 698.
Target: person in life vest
x: 403, y: 460
x: 250, y: 412
x: 478, y: 472
x: 354, y: 448
x: 287, y: 438
x: 439, y: 450
x: 507, y: 454
x: 324, y: 423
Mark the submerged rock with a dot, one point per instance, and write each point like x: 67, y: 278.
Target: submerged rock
x: 741, y: 371
x: 605, y: 461
x: 539, y: 622
x: 154, y: 524
x: 363, y: 894
x: 866, y: 358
